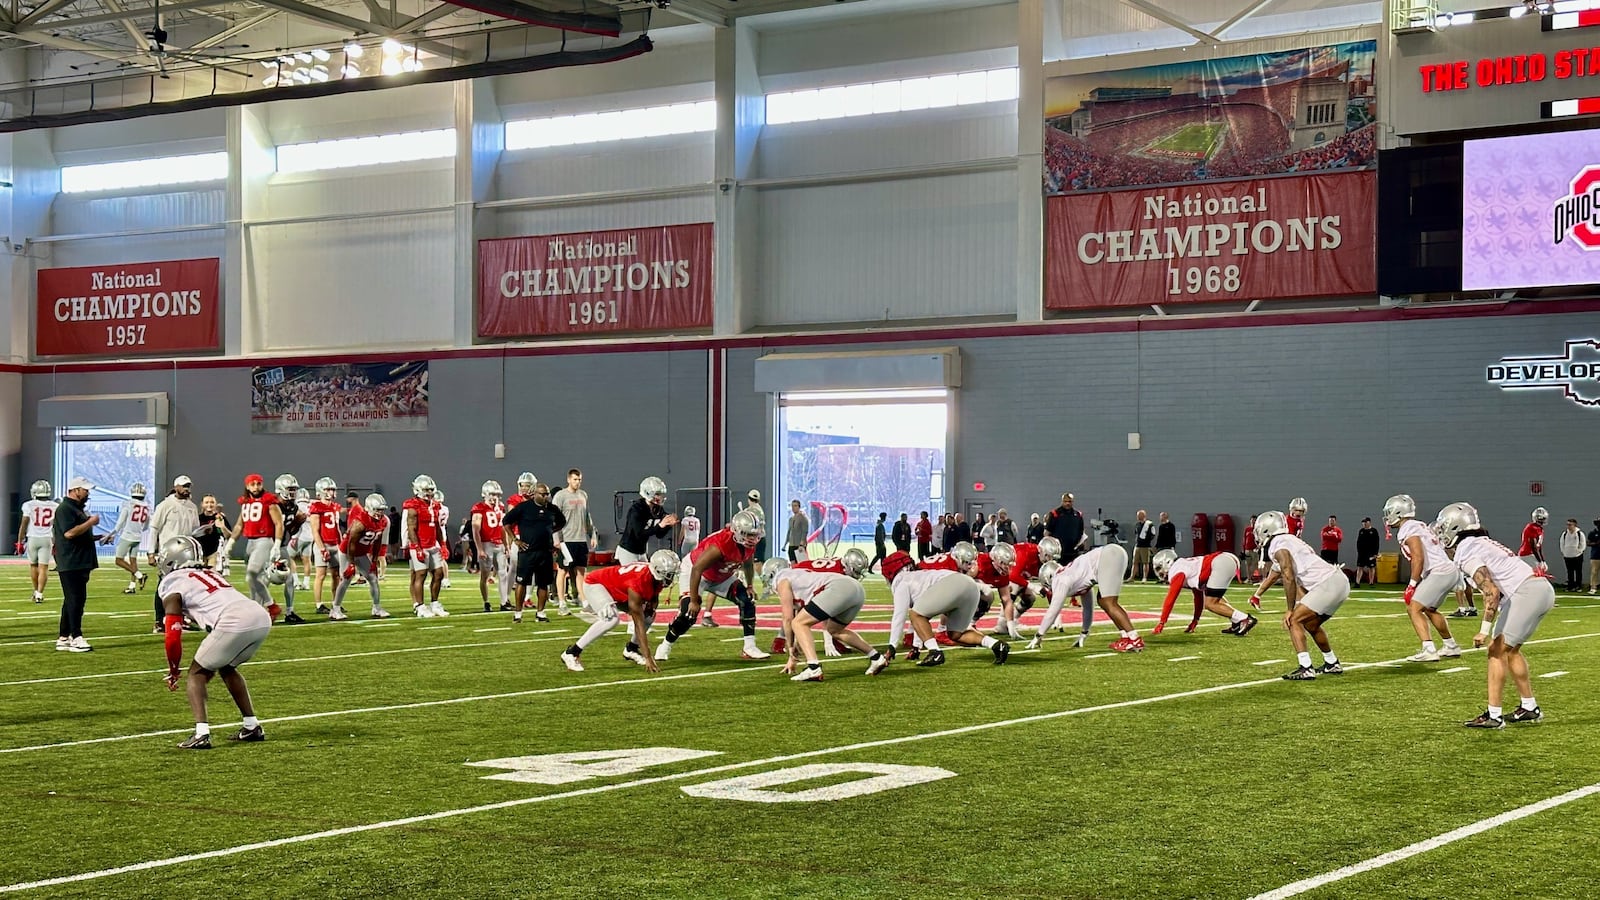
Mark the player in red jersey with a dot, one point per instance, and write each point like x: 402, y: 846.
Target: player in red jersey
x: 1020, y: 564
x: 360, y: 551
x: 1533, y: 541
x: 1208, y: 578
x: 994, y: 583
x: 1297, y: 516
x: 261, y: 523
x: 489, y: 538
x: 421, y: 531
x: 713, y: 567
x: 631, y: 589
x: 325, y: 536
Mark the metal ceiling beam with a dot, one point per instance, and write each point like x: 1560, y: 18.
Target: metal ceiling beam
x: 428, y: 18
x: 697, y: 11
x: 1255, y: 7
x: 150, y: 11
x: 102, y: 51
x: 42, y: 10
x: 1161, y: 15
x: 235, y: 29
x: 325, y: 16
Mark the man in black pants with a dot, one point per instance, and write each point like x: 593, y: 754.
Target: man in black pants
x: 902, y: 534
x: 880, y: 541
x: 75, y: 560
x: 1065, y: 524
x: 535, y: 524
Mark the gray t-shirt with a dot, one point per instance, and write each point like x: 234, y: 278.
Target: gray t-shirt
x: 575, y: 506
x: 799, y: 527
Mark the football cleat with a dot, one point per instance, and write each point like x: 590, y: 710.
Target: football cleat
x: 1036, y: 642
x: 754, y: 653
x: 1128, y: 645
x: 379, y: 612
x: 1301, y: 673
x: 249, y: 735
x: 79, y: 645
x: 541, y: 617
x: 142, y: 578
x: 1330, y: 669
x: 663, y: 651
x: 933, y: 658
x: 439, y: 610
x: 422, y: 611
x: 337, y: 615
x: 944, y: 639
x: 63, y: 643
x: 779, y: 645
x: 809, y: 673
x: 1484, y: 720
x: 1077, y: 642
x: 486, y: 606
x: 322, y: 609
x: 38, y: 597
x: 1231, y: 629
x: 631, y: 654
x: 293, y: 618
x: 1001, y: 651
x: 878, y: 665
x: 571, y: 662
x: 1521, y: 715
x: 196, y: 742
x: 1243, y: 628
x: 1470, y: 612
x: 130, y: 589
x: 1450, y: 652
x: 1423, y: 656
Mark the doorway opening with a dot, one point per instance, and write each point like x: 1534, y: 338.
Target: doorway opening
x: 113, y: 458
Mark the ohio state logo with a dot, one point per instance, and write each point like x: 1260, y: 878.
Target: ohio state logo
x: 1577, y: 215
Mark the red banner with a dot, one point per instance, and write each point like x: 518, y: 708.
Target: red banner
x: 1262, y: 239
x: 132, y: 308
x: 634, y: 279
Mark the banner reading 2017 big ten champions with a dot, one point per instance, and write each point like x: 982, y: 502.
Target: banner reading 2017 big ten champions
x: 634, y: 279
x: 1259, y: 239
x: 129, y: 308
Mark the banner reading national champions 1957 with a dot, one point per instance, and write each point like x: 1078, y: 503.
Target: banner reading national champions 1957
x: 126, y: 309
x: 632, y: 279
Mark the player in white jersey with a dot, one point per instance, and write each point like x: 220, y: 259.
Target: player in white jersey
x: 809, y: 597
x: 690, y: 524
x: 1101, y: 568
x: 1515, y: 600
x: 34, y: 536
x: 446, y: 542
x: 1433, y: 577
x: 1313, y: 588
x: 302, y: 545
x: 235, y: 628
x: 920, y: 596
x: 133, y: 521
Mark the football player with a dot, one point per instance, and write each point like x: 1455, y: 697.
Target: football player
x: 690, y: 531
x: 1433, y: 576
x: 1101, y: 568
x: 632, y: 589
x: 488, y: 536
x: 323, y: 521
x: 421, y: 534
x: 287, y: 487
x: 133, y: 520
x: 34, y: 536
x: 1208, y: 578
x: 363, y: 546
x: 1533, y: 540
x: 261, y: 523
x: 235, y: 629
x: 1515, y: 600
x: 647, y: 518
x: 1020, y: 564
x: 923, y: 595
x: 1296, y: 518
x: 713, y: 568
x: 811, y: 596
x: 446, y: 543
x: 302, y: 544
x: 1313, y: 589
x: 997, y: 583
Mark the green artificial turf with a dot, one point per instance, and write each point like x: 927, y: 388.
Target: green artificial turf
x: 1198, y: 141
x: 1227, y: 793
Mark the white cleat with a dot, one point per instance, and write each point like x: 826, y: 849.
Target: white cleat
x: 38, y: 597
x: 142, y: 579
x: 663, y: 651
x: 634, y: 656
x: 337, y: 615
x: 79, y: 645
x: 379, y: 612
x: 1036, y: 643
x: 1450, y: 652
x: 809, y: 673
x: 571, y: 662
x: 445, y: 584
x: 753, y: 652
x: 878, y: 665
x: 63, y: 643
x: 439, y: 610
x: 422, y: 611
x: 1423, y: 656
x: 1077, y: 643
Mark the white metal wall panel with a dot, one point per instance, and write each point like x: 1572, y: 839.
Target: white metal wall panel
x: 85, y: 213
x: 352, y: 282
x: 628, y: 165
x: 924, y: 137
x: 914, y: 248
x: 417, y: 107
x: 170, y: 135
x: 894, y: 46
x: 682, y: 210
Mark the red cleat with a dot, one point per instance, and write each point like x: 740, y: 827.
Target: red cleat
x: 909, y: 643
x: 1127, y: 645
x: 1162, y: 627
x: 945, y: 639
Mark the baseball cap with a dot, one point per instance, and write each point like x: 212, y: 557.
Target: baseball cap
x: 80, y: 482
x: 755, y: 495
x: 182, y: 481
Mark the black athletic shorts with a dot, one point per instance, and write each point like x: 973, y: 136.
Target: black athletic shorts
x: 579, y: 551
x: 536, y: 567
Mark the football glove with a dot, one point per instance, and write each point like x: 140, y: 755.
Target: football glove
x: 1411, y: 591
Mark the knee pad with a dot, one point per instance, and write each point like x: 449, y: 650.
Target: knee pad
x: 1024, y: 603
x: 983, y: 607
x: 680, y: 625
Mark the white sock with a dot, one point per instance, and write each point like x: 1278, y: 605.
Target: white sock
x: 1529, y: 703
x: 1237, y: 617
x: 1304, y: 659
x: 1496, y: 713
x: 749, y: 642
x: 1329, y: 659
x: 1428, y: 647
x: 201, y: 729
x: 251, y: 722
x: 931, y: 644
x: 990, y: 642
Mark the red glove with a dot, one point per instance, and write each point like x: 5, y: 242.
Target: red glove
x: 172, y: 677
x: 273, y: 609
x: 20, y: 546
x: 349, y: 572
x: 416, y: 552
x: 173, y: 627
x: 1255, y: 600
x: 1411, y: 591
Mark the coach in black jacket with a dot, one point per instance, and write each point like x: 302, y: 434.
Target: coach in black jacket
x: 1065, y: 524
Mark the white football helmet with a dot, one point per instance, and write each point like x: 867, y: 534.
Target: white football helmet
x: 1049, y: 549
x: 525, y: 482
x: 40, y: 490
x: 653, y: 490
x: 278, y: 573
x: 1297, y: 506
x: 770, y: 570
x: 180, y: 552
x: 964, y: 552
x: 1541, y: 515
x: 1047, y: 572
x: 492, y: 492
x: 438, y: 497
x: 376, y: 505
x: 1163, y: 561
x: 747, y: 528
x: 1454, y: 519
x: 855, y: 562
x: 423, y: 486
x: 688, y: 510
x: 327, y: 488
x: 1269, y: 525
x: 135, y: 490
x: 1398, y: 507
x: 286, y: 486
x: 664, y: 565
x: 1003, y: 556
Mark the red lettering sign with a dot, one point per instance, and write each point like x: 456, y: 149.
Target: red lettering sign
x: 635, y: 279
x: 1305, y: 236
x: 129, y: 309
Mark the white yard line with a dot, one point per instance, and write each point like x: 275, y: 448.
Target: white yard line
x: 1099, y: 655
x: 1269, y: 662
x: 1556, y: 674
x: 1433, y: 843
x: 1455, y: 669
x: 1182, y: 658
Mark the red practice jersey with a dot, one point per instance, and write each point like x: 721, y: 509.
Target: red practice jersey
x: 984, y: 572
x: 1532, y: 539
x: 1296, y: 523
x: 326, y: 513
x: 490, y: 525
x: 1027, y: 564
x: 254, y: 513
x: 734, y: 555
x: 823, y: 564
x: 939, y: 561
x: 426, y: 515
x: 619, y: 580
x: 515, y: 499
x: 373, y: 533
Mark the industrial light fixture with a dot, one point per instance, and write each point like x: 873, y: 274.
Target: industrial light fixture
x: 354, y: 50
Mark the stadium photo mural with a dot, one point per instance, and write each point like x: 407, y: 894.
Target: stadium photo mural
x: 1239, y: 116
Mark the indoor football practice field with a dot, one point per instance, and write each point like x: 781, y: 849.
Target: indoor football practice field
x: 458, y: 757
